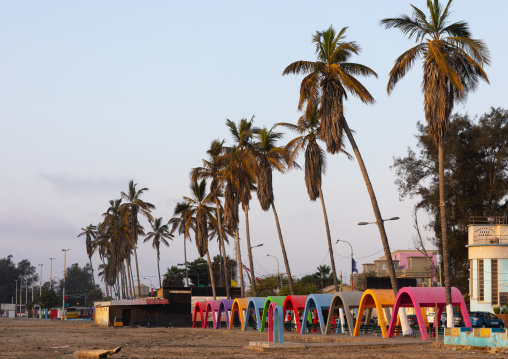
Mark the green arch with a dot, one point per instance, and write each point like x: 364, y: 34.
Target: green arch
x: 277, y: 299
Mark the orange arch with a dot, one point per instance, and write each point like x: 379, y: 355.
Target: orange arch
x: 379, y: 299
x: 240, y: 306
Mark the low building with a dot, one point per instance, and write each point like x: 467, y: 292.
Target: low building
x: 409, y: 263
x: 488, y: 262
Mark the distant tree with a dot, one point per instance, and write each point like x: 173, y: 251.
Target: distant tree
x: 267, y: 285
x: 199, y: 272
x: 475, y: 180
x: 78, y: 283
x: 174, y: 277
x: 8, y: 274
x: 49, y: 299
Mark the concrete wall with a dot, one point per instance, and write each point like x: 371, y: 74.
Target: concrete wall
x: 102, y: 316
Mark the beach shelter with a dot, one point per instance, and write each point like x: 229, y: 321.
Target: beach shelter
x: 256, y: 305
x: 421, y: 297
x: 199, y: 307
x: 296, y: 303
x: 240, y: 306
x: 275, y: 299
x: 380, y: 299
x: 225, y: 306
x: 319, y: 303
x: 346, y: 301
x: 212, y: 307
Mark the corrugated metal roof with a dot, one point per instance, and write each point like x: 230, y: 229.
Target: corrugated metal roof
x: 142, y: 301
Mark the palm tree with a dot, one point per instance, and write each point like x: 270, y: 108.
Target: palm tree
x: 322, y: 276
x: 199, y: 214
x: 178, y: 222
x: 452, y: 67
x: 239, y: 170
x: 212, y: 168
x: 271, y: 157
x: 134, y: 205
x: 159, y: 234
x: 308, y: 129
x: 90, y: 234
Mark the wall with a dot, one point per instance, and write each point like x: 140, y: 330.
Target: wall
x: 102, y: 316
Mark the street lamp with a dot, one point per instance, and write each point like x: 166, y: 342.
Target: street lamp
x: 151, y: 288
x: 381, y: 220
x: 51, y: 274
x: 278, y: 273
x: 16, y: 307
x: 259, y: 245
x: 63, y: 294
x: 253, y: 279
x: 352, y: 260
x: 40, y: 282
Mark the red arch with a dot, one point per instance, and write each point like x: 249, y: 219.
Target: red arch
x: 295, y: 303
x: 201, y: 308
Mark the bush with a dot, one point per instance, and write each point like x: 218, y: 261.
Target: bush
x: 497, y: 310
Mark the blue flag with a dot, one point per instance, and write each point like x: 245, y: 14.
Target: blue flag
x: 354, y: 267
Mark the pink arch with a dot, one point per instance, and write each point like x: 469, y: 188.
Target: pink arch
x: 295, y: 303
x: 211, y: 307
x: 421, y: 297
x: 201, y: 308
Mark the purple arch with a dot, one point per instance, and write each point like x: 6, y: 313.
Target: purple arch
x: 225, y: 306
x: 420, y: 297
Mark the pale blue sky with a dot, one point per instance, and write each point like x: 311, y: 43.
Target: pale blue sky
x: 93, y: 94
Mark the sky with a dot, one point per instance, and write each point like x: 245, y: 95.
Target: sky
x: 94, y: 94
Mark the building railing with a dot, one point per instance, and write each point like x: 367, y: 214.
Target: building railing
x: 494, y: 220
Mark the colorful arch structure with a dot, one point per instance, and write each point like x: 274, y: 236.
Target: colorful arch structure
x: 317, y: 302
x: 275, y: 299
x: 421, y: 297
x: 296, y: 303
x: 379, y: 299
x: 211, y: 307
x: 255, y: 304
x: 239, y: 305
x: 225, y: 306
x: 275, y: 323
x: 346, y: 301
x: 199, y: 307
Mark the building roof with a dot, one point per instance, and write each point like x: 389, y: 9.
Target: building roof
x: 141, y: 301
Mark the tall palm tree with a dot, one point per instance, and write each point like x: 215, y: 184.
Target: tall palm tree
x: 212, y: 169
x: 159, y: 234
x: 90, y: 234
x: 219, y: 231
x: 452, y: 68
x: 135, y: 205
x: 199, y: 214
x: 308, y: 128
x: 271, y: 157
x: 178, y: 222
x: 328, y: 80
x: 240, y: 171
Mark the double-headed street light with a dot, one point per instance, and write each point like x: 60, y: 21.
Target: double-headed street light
x: 352, y: 260
x: 63, y: 296
x: 381, y: 220
x: 278, y: 273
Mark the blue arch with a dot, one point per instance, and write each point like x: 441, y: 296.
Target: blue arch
x: 317, y: 302
x: 256, y: 304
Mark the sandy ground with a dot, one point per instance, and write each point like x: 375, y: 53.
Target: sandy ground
x: 32, y: 338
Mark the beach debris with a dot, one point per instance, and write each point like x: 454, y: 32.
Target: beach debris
x: 96, y: 353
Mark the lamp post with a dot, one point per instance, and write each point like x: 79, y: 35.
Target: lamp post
x: 16, y: 307
x: 63, y: 296
x: 381, y: 220
x: 278, y: 273
x: 352, y: 260
x: 51, y: 274
x: 40, y: 282
x: 253, y: 280
x: 151, y: 284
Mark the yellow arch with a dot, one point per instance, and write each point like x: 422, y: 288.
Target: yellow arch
x: 379, y: 299
x: 240, y: 306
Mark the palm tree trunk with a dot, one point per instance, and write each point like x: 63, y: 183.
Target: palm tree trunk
x: 249, y: 249
x: 185, y: 259
x: 93, y: 279
x: 284, y: 254
x: 444, y: 239
x: 131, y: 283
x: 239, y: 263
x: 158, y: 267
x: 330, y: 249
x: 212, y: 280
x: 223, y: 249
x: 406, y: 329
x: 137, y: 270
x: 127, y: 273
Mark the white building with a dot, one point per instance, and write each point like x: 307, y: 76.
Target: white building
x: 488, y: 256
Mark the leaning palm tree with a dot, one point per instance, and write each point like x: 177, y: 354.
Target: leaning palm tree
x: 178, y: 223
x: 159, y: 234
x: 199, y: 214
x: 239, y: 170
x: 452, y: 68
x: 328, y: 80
x: 212, y: 169
x: 135, y: 205
x: 271, y: 157
x: 90, y: 234
x: 308, y: 129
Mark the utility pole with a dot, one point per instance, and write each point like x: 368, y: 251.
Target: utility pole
x: 20, y: 293
x: 51, y: 274
x: 40, y: 282
x: 341, y: 281
x: 26, y: 296
x: 63, y: 296
x: 16, y: 307
x: 32, y: 289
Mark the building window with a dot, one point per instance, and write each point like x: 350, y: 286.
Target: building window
x: 480, y: 280
x: 495, y: 282
x: 383, y: 266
